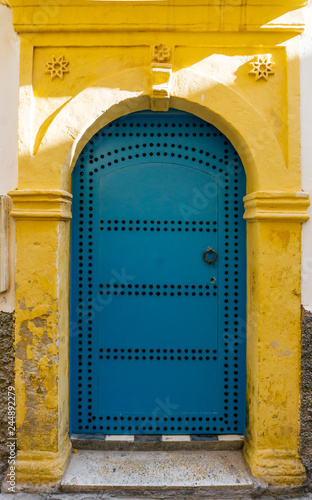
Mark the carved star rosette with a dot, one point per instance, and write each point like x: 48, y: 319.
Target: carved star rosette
x: 262, y: 68
x: 162, y: 53
x: 57, y: 67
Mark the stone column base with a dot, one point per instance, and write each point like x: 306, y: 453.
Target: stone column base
x: 276, y: 467
x: 39, y: 471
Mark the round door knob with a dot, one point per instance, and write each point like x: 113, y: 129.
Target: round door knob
x: 210, y: 250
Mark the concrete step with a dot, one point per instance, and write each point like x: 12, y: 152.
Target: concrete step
x: 164, y: 474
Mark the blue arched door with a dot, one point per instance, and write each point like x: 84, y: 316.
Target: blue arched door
x: 158, y: 286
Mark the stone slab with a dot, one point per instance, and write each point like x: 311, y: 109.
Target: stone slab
x: 161, y: 470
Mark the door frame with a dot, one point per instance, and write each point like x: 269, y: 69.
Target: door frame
x: 275, y: 207
x: 229, y: 184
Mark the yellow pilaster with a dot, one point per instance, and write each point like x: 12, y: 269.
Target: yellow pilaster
x: 41, y: 342
x: 273, y: 335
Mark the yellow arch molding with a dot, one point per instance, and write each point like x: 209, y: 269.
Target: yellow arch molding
x: 129, y: 91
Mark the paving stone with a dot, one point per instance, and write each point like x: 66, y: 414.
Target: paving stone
x: 104, y: 496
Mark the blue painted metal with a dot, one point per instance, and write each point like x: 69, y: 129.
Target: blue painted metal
x: 158, y: 335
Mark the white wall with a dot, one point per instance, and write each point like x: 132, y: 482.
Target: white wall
x: 306, y: 153
x: 9, y: 60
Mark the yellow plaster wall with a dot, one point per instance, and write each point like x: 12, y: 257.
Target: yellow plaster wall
x: 36, y: 335
x: 274, y: 334
x: 86, y: 67
x: 109, y: 48
x: 165, y: 15
x: 231, y: 66
x: 225, y: 64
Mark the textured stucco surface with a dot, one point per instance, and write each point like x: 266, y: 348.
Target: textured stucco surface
x: 6, y: 379
x: 306, y: 393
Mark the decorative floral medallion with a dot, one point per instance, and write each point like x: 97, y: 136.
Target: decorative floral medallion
x: 57, y: 67
x: 161, y: 53
x: 262, y: 68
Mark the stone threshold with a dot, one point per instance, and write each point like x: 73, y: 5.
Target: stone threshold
x: 166, y: 474
x: 157, y: 442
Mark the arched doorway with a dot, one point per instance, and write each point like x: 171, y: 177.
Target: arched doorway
x: 158, y: 280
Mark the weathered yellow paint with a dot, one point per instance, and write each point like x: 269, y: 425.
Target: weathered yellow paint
x: 109, y: 48
x: 36, y: 254
x: 274, y: 205
x: 39, y: 336
x: 172, y: 15
x: 273, y: 357
x: 20, y: 391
